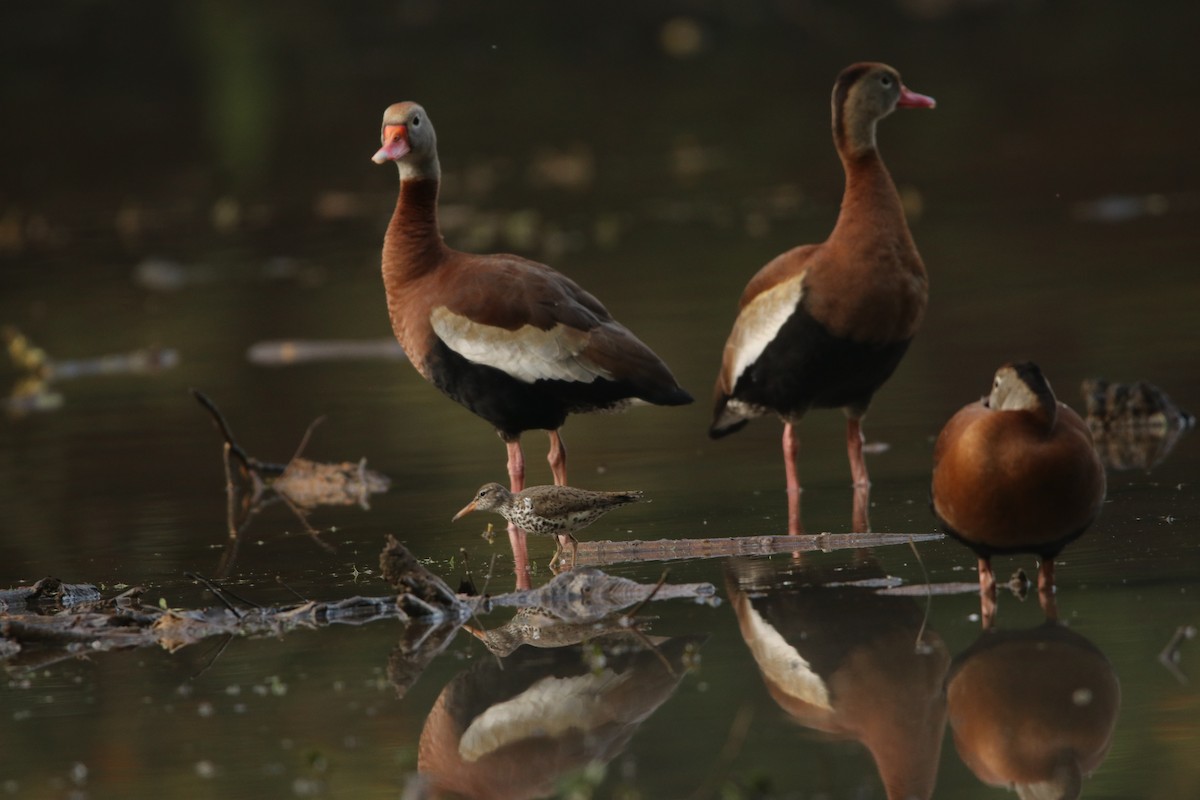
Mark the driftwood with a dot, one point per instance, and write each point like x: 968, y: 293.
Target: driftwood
x: 431, y: 610
x: 32, y: 392
x: 601, y: 553
x: 300, y: 484
x: 305, y: 484
x: 48, y: 591
x: 278, y: 353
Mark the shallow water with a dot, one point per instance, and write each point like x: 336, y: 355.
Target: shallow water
x: 1053, y: 194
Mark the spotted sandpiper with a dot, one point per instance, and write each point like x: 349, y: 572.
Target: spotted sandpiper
x: 548, y: 510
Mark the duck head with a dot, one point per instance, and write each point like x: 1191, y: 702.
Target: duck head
x: 408, y: 139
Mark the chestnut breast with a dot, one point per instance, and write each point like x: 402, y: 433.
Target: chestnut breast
x: 869, y: 288
x: 1002, y: 480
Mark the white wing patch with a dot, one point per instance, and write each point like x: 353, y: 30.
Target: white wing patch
x: 549, y: 708
x: 759, y: 323
x: 782, y: 664
x: 528, y: 354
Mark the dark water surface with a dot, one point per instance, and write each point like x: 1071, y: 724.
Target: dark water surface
x: 197, y: 177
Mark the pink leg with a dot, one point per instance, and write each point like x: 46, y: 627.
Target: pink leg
x: 1046, y: 589
x: 861, y: 516
x: 854, y: 445
x: 558, y: 459
x: 516, y: 465
x: 558, y: 468
x: 987, y: 593
x: 790, y: 448
x: 516, y: 536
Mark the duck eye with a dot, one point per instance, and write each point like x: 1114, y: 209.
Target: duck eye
x: 416, y: 121
x: 886, y: 80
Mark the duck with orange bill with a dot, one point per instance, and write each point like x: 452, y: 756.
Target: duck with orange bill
x: 512, y: 340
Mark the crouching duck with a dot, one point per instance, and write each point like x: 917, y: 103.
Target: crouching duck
x: 1016, y: 472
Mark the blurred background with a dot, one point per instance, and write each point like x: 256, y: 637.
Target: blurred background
x: 184, y: 180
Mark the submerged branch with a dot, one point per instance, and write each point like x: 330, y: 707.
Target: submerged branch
x: 431, y: 610
x: 299, y: 351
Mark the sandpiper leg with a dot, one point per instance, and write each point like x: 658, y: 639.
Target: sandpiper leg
x: 790, y: 447
x: 557, y: 553
x: 987, y: 593
x: 574, y: 548
x: 558, y: 459
x: 854, y: 449
x: 561, y: 542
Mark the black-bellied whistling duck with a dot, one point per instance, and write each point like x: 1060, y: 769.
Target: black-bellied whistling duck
x: 1016, y: 472
x: 514, y: 341
x: 823, y: 326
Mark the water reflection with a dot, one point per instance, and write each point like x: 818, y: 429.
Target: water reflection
x: 1033, y: 710
x: 514, y: 727
x: 38, y: 373
x: 1134, y: 425
x: 538, y: 627
x: 846, y: 661
x: 860, y: 515
x: 300, y: 484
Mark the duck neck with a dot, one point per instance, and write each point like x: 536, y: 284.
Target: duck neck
x: 871, y: 206
x: 1046, y: 411
x: 413, y: 244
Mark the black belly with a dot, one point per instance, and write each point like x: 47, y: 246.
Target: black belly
x: 805, y: 366
x: 513, y: 406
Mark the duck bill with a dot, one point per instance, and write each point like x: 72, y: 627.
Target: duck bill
x: 467, y: 510
x: 395, y: 144
x: 910, y: 99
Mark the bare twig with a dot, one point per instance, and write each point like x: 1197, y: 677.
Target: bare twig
x: 661, y: 580
x: 220, y: 650
x: 918, y: 645
x: 739, y: 730
x: 1170, y: 655
x: 312, y: 426
x: 251, y: 464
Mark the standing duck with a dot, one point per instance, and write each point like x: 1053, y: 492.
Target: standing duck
x: 518, y: 344
x: 1016, y: 472
x: 823, y: 326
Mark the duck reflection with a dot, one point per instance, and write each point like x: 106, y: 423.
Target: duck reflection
x: 512, y: 727
x: 1033, y: 710
x: 846, y: 661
